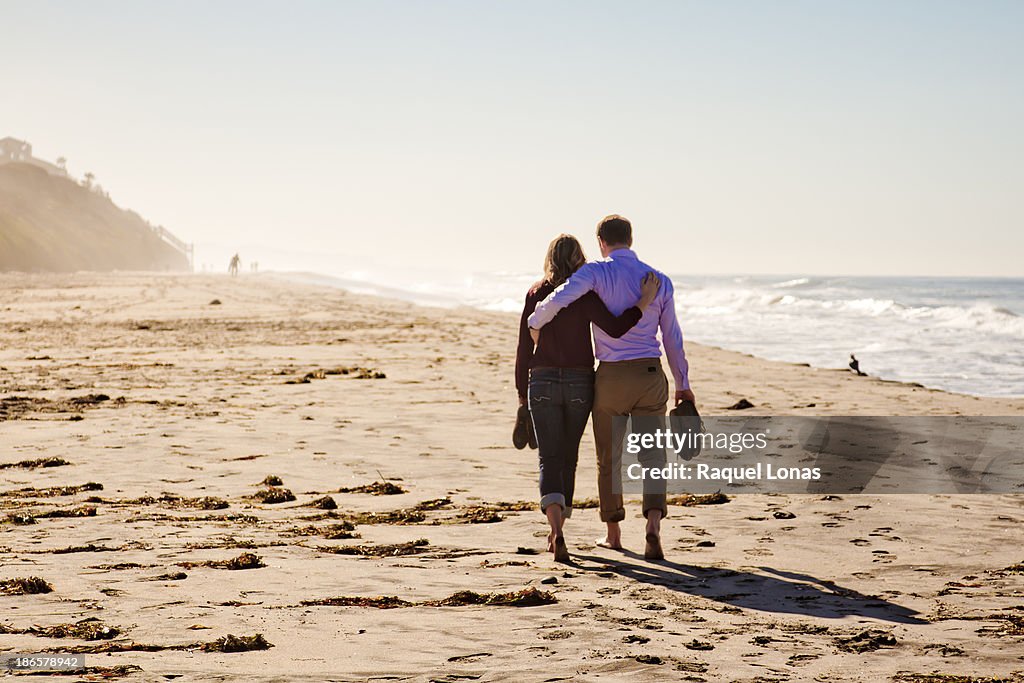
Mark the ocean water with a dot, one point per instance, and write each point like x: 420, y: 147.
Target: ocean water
x: 959, y: 334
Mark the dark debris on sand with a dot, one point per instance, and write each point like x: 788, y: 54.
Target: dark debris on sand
x: 868, y: 640
x: 908, y: 677
x: 25, y: 586
x: 230, y: 643
x: 87, y: 629
x: 1009, y: 625
x: 243, y: 561
x: 377, y: 488
x: 174, y: 502
x: 376, y: 601
x: 477, y: 514
x: 390, y: 550
x: 51, y: 492
x: 344, y: 530
x: 434, y: 504
x: 60, y: 513
x: 16, y: 407
x: 87, y: 548
x: 528, y: 597
x: 742, y: 404
x: 33, y: 464
x: 271, y: 480
x: 354, y: 372
x: 403, y: 516
x: 273, y: 495
x: 19, y: 519
x: 692, y: 500
x: 172, y: 576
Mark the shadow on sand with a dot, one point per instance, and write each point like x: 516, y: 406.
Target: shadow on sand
x: 770, y: 590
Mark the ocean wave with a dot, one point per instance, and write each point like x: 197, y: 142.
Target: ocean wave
x: 905, y: 330
x: 797, y: 282
x: 979, y: 316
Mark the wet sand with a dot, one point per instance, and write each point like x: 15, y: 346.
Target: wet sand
x: 328, y: 479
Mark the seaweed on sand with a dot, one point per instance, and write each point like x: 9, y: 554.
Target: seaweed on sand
x: 528, y: 597
x: 82, y: 511
x: 867, y: 640
x: 87, y: 629
x: 377, y: 488
x: 273, y: 495
x: 15, y: 407
x: 324, y: 503
x: 377, y: 601
x: 20, y: 519
x: 38, y: 462
x: 433, y: 504
x: 243, y: 561
x: 180, y: 502
x: 908, y: 677
x: 51, y: 492
x: 693, y: 499
x: 230, y: 643
x: 390, y: 550
x: 340, y: 531
x: 402, y: 516
x: 25, y: 586
x: 477, y: 514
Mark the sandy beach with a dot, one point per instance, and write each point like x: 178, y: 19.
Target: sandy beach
x: 185, y: 458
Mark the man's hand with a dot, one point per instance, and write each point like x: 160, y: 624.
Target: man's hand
x: 535, y: 335
x: 684, y: 395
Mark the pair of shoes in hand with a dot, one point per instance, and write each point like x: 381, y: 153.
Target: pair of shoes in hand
x: 522, y: 435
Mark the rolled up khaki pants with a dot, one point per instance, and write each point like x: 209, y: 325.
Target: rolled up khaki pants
x: 622, y: 388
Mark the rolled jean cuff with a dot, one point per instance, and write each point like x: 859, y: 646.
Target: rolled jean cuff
x: 616, y: 516
x: 552, y: 499
x: 656, y: 504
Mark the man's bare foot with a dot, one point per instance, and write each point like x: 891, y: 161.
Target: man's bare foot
x: 613, y: 539
x: 652, y: 549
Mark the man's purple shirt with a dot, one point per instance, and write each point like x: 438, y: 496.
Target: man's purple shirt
x: 616, y: 280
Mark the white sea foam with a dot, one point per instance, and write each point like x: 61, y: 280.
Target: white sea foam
x: 959, y: 334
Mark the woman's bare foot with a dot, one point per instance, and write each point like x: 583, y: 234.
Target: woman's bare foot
x: 613, y: 539
x: 561, y: 550
x: 555, y: 520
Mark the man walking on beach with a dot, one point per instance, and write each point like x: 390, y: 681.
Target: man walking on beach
x: 629, y: 380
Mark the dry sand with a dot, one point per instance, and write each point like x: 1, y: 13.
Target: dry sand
x: 205, y: 401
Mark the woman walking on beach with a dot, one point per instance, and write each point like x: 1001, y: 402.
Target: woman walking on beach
x: 556, y: 379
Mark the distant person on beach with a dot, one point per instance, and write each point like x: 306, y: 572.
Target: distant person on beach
x: 556, y: 379
x: 855, y: 366
x: 629, y: 379
x: 233, y: 266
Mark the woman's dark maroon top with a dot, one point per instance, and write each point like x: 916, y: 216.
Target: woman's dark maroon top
x: 565, y: 341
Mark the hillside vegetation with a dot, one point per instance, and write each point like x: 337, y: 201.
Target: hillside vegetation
x: 49, y: 223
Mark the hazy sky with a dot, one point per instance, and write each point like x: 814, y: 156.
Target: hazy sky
x: 792, y: 137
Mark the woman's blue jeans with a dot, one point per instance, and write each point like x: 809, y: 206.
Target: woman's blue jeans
x: 560, y: 403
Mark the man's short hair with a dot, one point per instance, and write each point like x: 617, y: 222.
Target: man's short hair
x: 615, y: 229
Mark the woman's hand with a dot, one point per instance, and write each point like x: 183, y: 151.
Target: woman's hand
x: 648, y: 290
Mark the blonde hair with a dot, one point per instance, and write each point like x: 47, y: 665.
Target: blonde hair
x: 564, y: 257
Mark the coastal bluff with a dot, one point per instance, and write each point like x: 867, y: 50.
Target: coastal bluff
x: 50, y: 223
